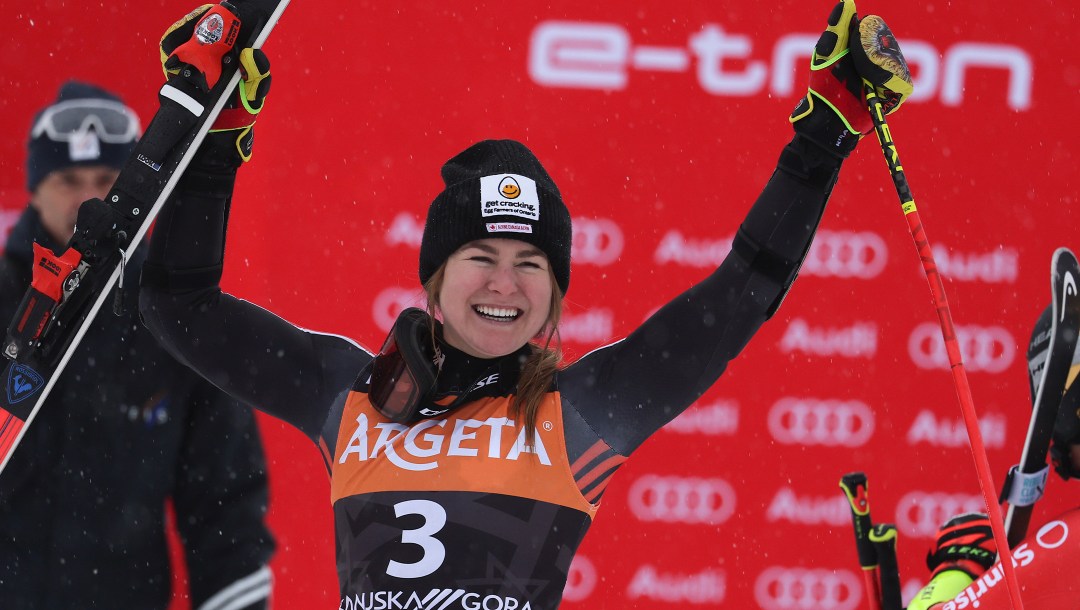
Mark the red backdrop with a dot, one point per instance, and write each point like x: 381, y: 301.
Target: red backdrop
x: 660, y: 121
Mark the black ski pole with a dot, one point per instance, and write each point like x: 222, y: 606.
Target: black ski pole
x: 884, y: 538
x: 856, y: 491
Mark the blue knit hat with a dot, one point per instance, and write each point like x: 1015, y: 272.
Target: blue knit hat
x: 86, y: 125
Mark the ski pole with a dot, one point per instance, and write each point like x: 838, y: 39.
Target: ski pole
x: 884, y: 538
x: 948, y: 332
x: 855, y: 489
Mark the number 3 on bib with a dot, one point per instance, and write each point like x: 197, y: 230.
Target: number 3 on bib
x: 434, y: 552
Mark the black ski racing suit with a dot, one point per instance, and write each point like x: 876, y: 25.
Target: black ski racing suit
x: 458, y: 511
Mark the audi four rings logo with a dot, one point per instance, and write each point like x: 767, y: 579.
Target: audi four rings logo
x: 921, y: 513
x: 987, y: 349
x: 846, y: 254
x: 780, y: 588
x: 682, y: 500
x: 597, y: 241
x: 810, y: 421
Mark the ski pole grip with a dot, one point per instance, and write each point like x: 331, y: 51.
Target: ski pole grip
x: 855, y: 489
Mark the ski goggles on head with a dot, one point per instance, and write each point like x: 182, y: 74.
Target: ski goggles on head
x: 113, y: 122
x: 403, y: 374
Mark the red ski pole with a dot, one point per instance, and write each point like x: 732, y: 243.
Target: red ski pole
x: 948, y: 332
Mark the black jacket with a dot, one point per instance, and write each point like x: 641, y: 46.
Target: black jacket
x: 126, y: 429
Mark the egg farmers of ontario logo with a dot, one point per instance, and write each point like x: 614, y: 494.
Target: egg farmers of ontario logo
x: 509, y: 195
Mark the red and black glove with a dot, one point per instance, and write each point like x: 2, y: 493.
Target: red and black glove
x: 965, y: 543
x: 834, y: 113
x: 231, y: 137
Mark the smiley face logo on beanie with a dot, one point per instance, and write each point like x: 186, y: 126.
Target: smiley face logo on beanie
x: 509, y: 195
x: 509, y: 188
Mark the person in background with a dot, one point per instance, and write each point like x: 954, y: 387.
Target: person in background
x: 963, y: 559
x: 127, y: 430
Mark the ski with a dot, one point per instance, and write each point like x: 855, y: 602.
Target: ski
x: 68, y: 290
x: 1050, y: 356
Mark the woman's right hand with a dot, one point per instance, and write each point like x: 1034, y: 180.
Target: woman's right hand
x: 184, y: 46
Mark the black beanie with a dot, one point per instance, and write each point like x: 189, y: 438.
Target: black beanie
x: 497, y: 188
x: 84, y: 147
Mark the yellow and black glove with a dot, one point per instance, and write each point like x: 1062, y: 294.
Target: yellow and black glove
x: 833, y: 113
x: 231, y: 137
x: 236, y: 122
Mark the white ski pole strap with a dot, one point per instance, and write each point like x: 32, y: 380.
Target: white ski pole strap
x: 1026, y: 488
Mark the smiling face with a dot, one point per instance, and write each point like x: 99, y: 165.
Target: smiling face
x: 495, y: 296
